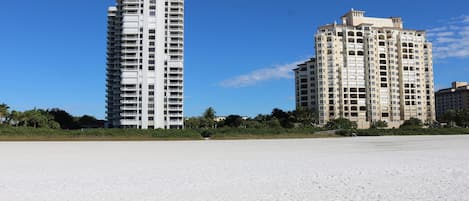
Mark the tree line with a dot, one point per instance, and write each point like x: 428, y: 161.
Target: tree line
x: 276, y: 119
x: 456, y: 118
x: 299, y: 118
x: 51, y: 118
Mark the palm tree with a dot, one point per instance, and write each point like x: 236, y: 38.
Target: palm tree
x: 209, y: 116
x: 15, y: 118
x: 3, y: 112
x: 304, y: 116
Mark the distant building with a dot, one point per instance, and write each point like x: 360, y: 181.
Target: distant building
x: 145, y: 64
x: 454, y: 98
x: 366, y: 70
x: 219, y: 119
x: 305, y: 87
x: 223, y: 118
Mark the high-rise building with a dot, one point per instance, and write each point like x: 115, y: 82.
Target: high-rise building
x: 305, y: 91
x: 145, y: 64
x: 368, y: 70
x: 455, y: 98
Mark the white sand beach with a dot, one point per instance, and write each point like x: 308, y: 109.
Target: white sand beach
x: 423, y: 168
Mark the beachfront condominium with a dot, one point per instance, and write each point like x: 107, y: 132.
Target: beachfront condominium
x: 305, y: 85
x: 367, y: 70
x: 145, y: 64
x: 455, y: 98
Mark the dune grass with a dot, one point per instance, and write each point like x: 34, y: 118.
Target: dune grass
x: 41, y: 134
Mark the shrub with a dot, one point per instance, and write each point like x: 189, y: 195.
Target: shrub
x: 344, y: 133
x: 379, y: 124
x: 206, y: 134
x: 341, y: 123
x: 412, y: 123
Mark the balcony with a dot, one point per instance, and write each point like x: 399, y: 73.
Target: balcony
x: 129, y: 108
x: 128, y: 114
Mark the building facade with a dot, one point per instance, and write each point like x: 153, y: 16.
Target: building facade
x: 305, y: 85
x: 454, y: 98
x: 372, y: 69
x: 145, y: 64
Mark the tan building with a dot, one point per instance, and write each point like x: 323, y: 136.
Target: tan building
x: 454, y: 98
x: 367, y: 70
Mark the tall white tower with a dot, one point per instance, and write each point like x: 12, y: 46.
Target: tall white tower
x: 145, y: 64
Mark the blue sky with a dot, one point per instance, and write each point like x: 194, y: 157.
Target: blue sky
x: 238, y: 52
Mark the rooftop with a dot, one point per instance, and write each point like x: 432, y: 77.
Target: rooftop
x: 357, y: 18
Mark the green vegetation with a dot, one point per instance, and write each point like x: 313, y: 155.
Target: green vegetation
x: 8, y: 133
x: 267, y: 133
x: 379, y: 125
x: 45, y: 134
x: 39, y: 118
x: 412, y: 131
x: 44, y: 125
x: 341, y: 123
x: 455, y: 118
x: 3, y: 112
x: 300, y: 118
x: 412, y: 123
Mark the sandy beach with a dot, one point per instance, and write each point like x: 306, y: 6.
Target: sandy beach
x: 423, y: 168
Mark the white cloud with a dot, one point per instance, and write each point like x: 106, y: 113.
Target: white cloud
x: 451, y: 39
x: 466, y: 19
x: 262, y: 75
x: 438, y: 29
x: 442, y: 34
